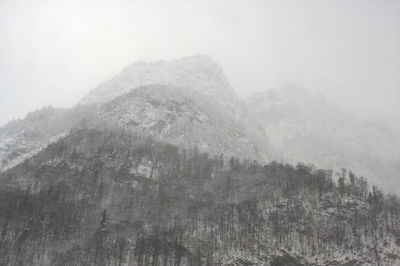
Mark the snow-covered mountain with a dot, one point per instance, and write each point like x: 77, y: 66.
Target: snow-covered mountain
x: 188, y: 102
x: 308, y: 128
x: 122, y: 177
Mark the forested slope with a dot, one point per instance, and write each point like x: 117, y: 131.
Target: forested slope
x: 99, y: 197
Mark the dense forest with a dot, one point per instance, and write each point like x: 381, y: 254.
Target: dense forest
x: 114, y: 197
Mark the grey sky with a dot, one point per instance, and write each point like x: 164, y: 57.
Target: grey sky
x: 54, y: 52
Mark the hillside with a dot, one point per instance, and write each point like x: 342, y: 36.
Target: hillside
x: 23, y: 138
x: 120, y: 198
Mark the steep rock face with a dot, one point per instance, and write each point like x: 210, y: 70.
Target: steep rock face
x: 187, y: 101
x: 197, y: 72
x: 308, y: 128
x: 188, y: 118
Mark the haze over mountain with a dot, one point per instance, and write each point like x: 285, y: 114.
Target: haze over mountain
x: 310, y: 128
x: 199, y: 133
x: 188, y: 102
x: 165, y: 165
x: 55, y: 52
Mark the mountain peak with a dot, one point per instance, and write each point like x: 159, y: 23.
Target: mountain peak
x: 199, y: 72
x: 200, y: 60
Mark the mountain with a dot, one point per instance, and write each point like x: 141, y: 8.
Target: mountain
x: 308, y: 128
x: 188, y: 102
x: 165, y: 165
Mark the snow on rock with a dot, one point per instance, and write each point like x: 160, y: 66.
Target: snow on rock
x: 198, y: 72
x: 21, y: 139
x: 188, y: 118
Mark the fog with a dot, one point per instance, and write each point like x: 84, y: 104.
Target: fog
x: 54, y: 52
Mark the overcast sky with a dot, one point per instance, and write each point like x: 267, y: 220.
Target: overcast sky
x: 54, y: 52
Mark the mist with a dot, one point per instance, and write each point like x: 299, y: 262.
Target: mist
x: 55, y: 52
x: 213, y: 132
